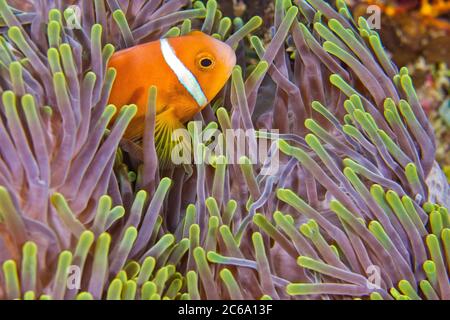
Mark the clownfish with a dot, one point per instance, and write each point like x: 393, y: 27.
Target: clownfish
x: 188, y: 71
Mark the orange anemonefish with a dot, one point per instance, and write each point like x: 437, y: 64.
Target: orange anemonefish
x: 188, y: 71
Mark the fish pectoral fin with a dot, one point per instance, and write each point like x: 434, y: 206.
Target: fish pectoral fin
x: 162, y: 110
x: 167, y: 137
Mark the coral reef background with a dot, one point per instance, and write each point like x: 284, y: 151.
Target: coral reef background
x: 358, y: 208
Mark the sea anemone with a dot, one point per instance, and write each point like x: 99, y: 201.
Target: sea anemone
x: 356, y: 209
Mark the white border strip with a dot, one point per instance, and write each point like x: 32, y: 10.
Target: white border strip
x: 186, y: 78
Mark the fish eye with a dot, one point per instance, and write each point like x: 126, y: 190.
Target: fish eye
x: 205, y: 62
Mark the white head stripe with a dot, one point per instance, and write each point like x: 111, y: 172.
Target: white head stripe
x: 183, y: 74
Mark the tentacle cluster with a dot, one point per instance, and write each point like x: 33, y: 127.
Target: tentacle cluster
x: 356, y: 209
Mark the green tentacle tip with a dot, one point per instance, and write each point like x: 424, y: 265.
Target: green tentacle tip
x: 445, y: 235
x: 375, y: 189
x: 411, y: 172
x: 312, y: 227
x: 406, y: 81
x: 115, y: 290
x: 428, y: 290
x: 15, y: 34
x: 262, y: 222
x: 376, y: 296
x: 161, y: 277
x: 429, y: 267
x: 162, y: 245
x: 403, y: 71
x: 313, y: 142
x: 194, y: 233
x: 174, y: 289
x: 54, y: 33
x: 186, y: 27
x: 96, y: 32
x: 436, y: 223
x: 66, y: 214
x: 260, y: 69
x: 119, y: 16
x: 192, y: 285
x: 61, y: 277
x: 436, y: 253
x: 122, y: 276
x: 335, y: 250
x: 362, y: 23
x: 199, y: 5
x: 224, y: 27
x: 85, y: 241
x: 129, y: 238
x: 406, y: 288
x: 55, y: 15
x: 16, y: 69
x: 29, y: 265
x: 29, y: 295
x: 84, y: 296
x: 394, y: 292
x: 377, y: 230
x: 445, y: 216
x: 12, y: 285
x: 29, y: 107
x: 214, y: 257
x: 155, y: 297
x: 132, y: 269
x: 305, y: 262
x: 286, y: 195
x: 428, y: 207
x: 213, y: 208
x: 173, y: 32
x: 255, y: 22
x: 129, y: 290
x: 314, y: 127
x: 29, y: 249
x: 9, y: 100
x: 217, y: 36
x: 244, y: 30
x: 334, y: 49
x: 148, y: 290
x: 146, y: 271
x: 165, y: 183
x: 231, y: 284
x: 284, y: 147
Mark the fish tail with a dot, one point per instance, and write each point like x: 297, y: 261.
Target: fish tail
x: 167, y: 138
